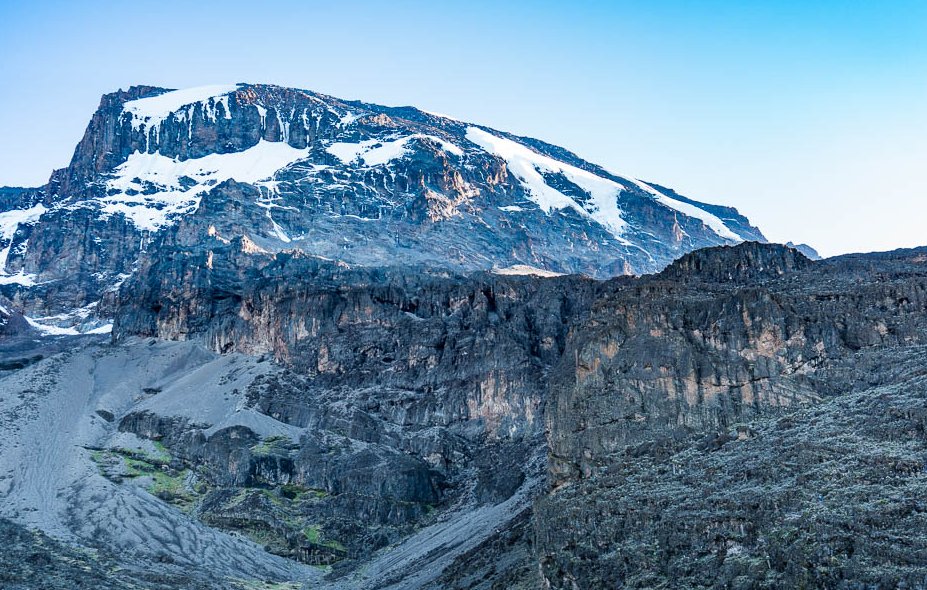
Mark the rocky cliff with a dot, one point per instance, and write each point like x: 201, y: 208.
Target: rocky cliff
x: 356, y: 347
x: 746, y: 418
x: 436, y: 379
x: 659, y: 385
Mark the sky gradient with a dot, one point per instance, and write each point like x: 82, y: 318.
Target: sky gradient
x: 809, y: 117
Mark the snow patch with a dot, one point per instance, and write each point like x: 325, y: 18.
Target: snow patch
x: 9, y: 223
x: 278, y: 231
x: 120, y: 279
x: 525, y: 269
x: 377, y: 152
x: 528, y: 165
x: 70, y: 323
x: 347, y: 118
x: 49, y: 330
x: 714, y: 223
x: 153, y: 110
x: 20, y: 278
x: 140, y: 172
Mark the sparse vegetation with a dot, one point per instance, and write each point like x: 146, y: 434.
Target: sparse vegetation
x: 163, y: 481
x: 313, y: 534
x: 273, y: 445
x: 293, y: 491
x: 263, y: 585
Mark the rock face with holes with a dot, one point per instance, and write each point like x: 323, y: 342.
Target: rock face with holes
x: 358, y: 183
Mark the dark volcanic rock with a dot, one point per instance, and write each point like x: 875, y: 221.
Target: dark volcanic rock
x: 472, y: 349
x: 418, y: 390
x: 748, y: 262
x: 746, y: 418
x: 648, y: 377
x: 722, y: 429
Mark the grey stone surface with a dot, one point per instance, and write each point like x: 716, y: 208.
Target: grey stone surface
x: 745, y: 419
x: 324, y: 380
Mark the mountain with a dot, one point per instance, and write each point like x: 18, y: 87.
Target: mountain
x: 260, y: 338
x: 362, y: 184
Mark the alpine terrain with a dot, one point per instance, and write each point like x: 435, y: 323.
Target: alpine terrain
x: 295, y: 171
x: 257, y: 337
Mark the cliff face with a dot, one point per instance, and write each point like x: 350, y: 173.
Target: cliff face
x: 416, y: 392
x: 746, y: 418
x: 724, y: 423
x: 701, y: 346
x: 657, y: 396
x: 479, y: 345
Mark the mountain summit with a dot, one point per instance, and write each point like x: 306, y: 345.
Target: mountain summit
x: 358, y: 183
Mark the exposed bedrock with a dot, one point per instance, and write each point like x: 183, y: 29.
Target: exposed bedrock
x: 434, y: 348
x: 698, y: 418
x: 746, y: 418
x: 360, y: 183
x: 411, y: 393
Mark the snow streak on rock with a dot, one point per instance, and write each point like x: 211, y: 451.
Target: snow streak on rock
x: 153, y: 110
x: 9, y: 223
x: 528, y: 166
x: 712, y: 221
x: 151, y: 189
x: 375, y: 152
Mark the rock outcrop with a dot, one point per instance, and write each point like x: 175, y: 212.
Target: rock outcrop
x: 434, y: 381
x: 743, y: 419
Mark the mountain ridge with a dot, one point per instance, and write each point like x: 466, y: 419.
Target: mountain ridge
x: 365, y: 184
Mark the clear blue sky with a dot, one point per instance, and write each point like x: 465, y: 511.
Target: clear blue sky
x: 808, y: 116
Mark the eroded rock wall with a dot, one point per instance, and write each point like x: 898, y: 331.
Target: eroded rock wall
x: 671, y: 390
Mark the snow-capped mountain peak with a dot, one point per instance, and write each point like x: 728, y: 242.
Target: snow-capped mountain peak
x: 347, y: 181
